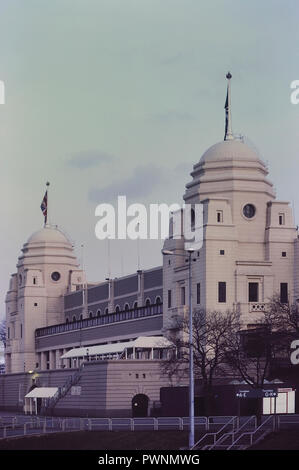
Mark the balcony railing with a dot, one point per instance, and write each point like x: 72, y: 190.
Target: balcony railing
x: 257, y: 307
x: 132, y: 314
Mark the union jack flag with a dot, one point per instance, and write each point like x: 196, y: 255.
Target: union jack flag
x: 44, y: 206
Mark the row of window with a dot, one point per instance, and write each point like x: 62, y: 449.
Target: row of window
x: 9, y: 336
x: 117, y: 309
x: 140, y: 312
x: 249, y: 212
x: 183, y: 296
x: 253, y: 293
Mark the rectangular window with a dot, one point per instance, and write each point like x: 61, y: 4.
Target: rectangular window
x: 284, y: 292
x: 219, y: 216
x: 284, y: 254
x: 221, y: 291
x: 8, y: 332
x: 222, y: 252
x: 169, y: 299
x: 21, y: 330
x: 198, y: 293
x: 253, y: 292
x: 281, y: 219
x: 183, y: 296
x: 34, y: 280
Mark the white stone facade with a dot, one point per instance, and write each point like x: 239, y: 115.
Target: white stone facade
x: 45, y: 270
x: 248, y: 238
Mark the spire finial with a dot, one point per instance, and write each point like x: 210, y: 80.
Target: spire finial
x: 228, y: 135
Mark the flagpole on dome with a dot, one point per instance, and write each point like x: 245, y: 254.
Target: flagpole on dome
x: 45, y: 206
x: 47, y: 221
x: 228, y: 135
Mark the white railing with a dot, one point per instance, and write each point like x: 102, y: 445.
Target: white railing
x: 233, y: 435
x: 224, y: 427
x: 215, y: 435
x: 257, y: 307
x: 258, y: 434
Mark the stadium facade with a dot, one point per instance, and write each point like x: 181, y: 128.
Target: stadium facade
x: 55, y: 317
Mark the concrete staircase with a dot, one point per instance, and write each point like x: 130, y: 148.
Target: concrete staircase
x: 72, y: 380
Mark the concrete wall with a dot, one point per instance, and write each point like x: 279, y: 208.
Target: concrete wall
x: 106, y: 387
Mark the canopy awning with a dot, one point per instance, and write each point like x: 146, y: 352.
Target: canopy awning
x: 42, y: 392
x: 117, y: 348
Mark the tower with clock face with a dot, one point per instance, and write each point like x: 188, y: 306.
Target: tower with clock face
x: 250, y: 244
x: 45, y: 272
x: 249, y: 238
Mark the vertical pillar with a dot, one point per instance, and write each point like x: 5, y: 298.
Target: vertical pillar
x: 57, y: 357
x: 43, y: 360
x: 52, y: 356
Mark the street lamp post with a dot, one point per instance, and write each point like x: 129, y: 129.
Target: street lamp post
x: 191, y: 371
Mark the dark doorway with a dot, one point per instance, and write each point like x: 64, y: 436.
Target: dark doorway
x: 139, y: 406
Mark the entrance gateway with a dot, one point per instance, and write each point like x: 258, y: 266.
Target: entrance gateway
x: 140, y: 406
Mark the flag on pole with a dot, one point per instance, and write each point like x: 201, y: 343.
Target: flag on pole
x: 44, y: 206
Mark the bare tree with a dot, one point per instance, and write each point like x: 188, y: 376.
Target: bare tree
x: 249, y: 354
x: 282, y: 317
x: 3, y: 332
x: 255, y: 352
x: 211, y: 338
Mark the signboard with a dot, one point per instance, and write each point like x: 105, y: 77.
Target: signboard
x: 256, y: 393
x: 76, y: 390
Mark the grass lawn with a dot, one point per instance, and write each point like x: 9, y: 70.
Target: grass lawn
x: 283, y: 440
x: 101, y: 440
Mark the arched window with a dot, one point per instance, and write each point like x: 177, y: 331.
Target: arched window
x: 90, y: 314
x: 147, y: 302
x: 158, y: 300
x: 81, y: 317
x: 135, y: 305
x: 74, y: 318
x: 106, y: 311
x: 127, y: 306
x: 98, y: 312
x: 67, y: 320
x: 117, y: 309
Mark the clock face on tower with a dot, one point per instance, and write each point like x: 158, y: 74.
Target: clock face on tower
x: 249, y: 211
x: 55, y: 276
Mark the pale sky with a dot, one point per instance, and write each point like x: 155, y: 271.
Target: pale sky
x: 108, y: 97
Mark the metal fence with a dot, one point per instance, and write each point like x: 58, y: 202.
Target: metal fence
x: 21, y: 425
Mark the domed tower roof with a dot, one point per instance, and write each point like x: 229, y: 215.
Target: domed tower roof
x: 48, y: 235
x: 227, y: 150
x: 47, y: 245
x: 228, y: 166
